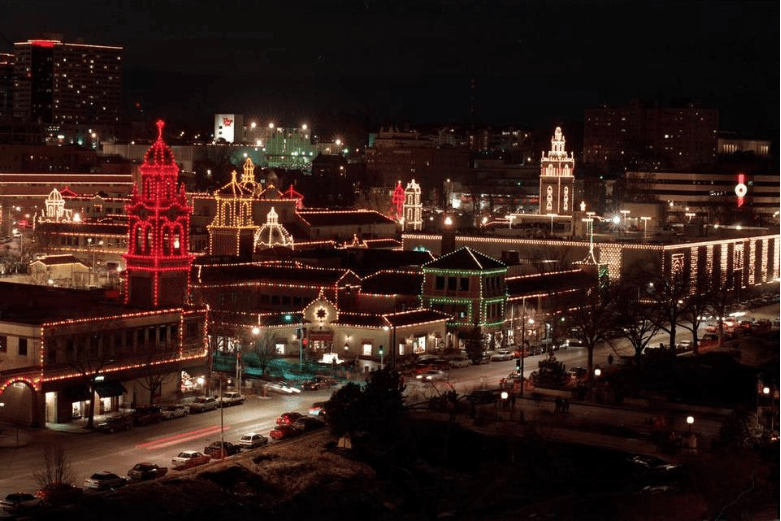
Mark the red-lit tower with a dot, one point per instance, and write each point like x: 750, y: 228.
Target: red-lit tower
x: 157, y: 261
x: 398, y: 201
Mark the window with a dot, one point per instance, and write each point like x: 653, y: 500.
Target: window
x: 280, y: 348
x: 162, y: 334
x: 22, y: 347
x: 367, y: 349
x: 3, y: 343
x: 451, y: 283
x: 440, y: 283
x: 140, y: 338
x: 464, y: 284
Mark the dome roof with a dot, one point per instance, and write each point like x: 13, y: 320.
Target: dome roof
x: 272, y: 234
x: 159, y: 154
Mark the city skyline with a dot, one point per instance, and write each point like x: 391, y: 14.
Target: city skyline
x: 447, y: 62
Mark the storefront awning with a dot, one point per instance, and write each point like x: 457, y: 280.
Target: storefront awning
x: 109, y: 388
x: 76, y: 393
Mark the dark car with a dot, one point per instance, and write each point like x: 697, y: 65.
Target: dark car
x: 59, y: 493
x: 104, y: 480
x: 147, y: 415
x: 319, y: 382
x: 288, y: 418
x: 228, y: 449
x: 19, y: 502
x: 115, y: 423
x: 144, y: 471
x: 308, y: 423
x: 282, y: 432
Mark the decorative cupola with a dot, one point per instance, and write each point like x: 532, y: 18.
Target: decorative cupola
x: 158, y: 260
x: 233, y: 229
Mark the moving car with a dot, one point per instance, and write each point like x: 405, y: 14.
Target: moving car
x: 317, y: 409
x: 252, y: 440
x: 115, y: 423
x: 231, y: 398
x: 189, y: 458
x: 308, y: 423
x: 218, y: 451
x: 145, y: 470
x: 282, y: 432
x: 319, y: 382
x: 431, y: 375
x: 175, y: 411
x: 203, y: 403
x: 288, y: 418
x: 282, y: 387
x: 502, y: 355
x: 19, y: 502
x: 104, y: 480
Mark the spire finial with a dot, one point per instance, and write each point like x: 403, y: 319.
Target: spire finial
x: 160, y: 125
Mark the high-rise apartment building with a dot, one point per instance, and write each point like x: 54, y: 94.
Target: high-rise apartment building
x: 6, y: 83
x: 652, y: 137
x: 67, y: 83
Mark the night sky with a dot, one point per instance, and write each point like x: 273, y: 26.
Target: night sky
x: 530, y: 63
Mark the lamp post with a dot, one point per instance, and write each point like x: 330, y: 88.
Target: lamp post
x: 10, y: 224
x: 382, y: 359
x: 766, y: 392
x: 690, y: 421
x: 288, y: 317
x: 222, y: 422
x: 645, y: 226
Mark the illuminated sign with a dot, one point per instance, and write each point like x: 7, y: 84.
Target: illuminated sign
x: 741, y: 189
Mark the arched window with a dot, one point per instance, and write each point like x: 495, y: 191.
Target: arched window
x: 166, y: 241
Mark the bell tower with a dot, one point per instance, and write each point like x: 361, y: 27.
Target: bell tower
x: 157, y: 261
x: 557, y: 178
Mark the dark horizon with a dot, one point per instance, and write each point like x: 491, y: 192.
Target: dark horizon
x: 535, y: 64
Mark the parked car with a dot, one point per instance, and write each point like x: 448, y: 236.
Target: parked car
x: 308, y: 423
x: 319, y: 382
x: 432, y: 375
x: 231, y: 398
x: 459, y: 360
x: 147, y: 415
x: 203, y: 403
x: 59, y: 493
x: 220, y: 450
x: 175, y: 411
x: 288, y: 418
x: 317, y: 409
x: 578, y: 373
x: 484, y: 359
x: 502, y: 355
x: 252, y: 440
x: 104, y: 480
x: 145, y: 471
x: 571, y: 342
x: 282, y: 387
x: 281, y: 432
x: 115, y: 423
x: 189, y: 458
x: 19, y: 502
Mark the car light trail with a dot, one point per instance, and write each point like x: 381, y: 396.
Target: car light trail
x: 178, y: 438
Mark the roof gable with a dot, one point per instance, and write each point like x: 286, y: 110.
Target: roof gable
x: 465, y: 259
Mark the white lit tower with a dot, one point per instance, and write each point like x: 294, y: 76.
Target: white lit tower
x: 157, y: 261
x: 413, y: 209
x: 557, y: 178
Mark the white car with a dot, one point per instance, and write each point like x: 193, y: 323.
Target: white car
x: 104, y: 480
x: 252, y: 440
x: 189, y: 458
x: 432, y: 375
x: 282, y: 388
x: 175, y: 411
x: 501, y: 355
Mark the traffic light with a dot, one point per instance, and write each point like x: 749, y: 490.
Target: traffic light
x: 518, y: 364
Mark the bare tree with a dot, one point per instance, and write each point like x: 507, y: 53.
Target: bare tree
x: 56, y: 467
x: 90, y: 356
x: 593, y: 321
x: 263, y: 347
x: 670, y: 297
x: 720, y: 298
x: 156, y: 374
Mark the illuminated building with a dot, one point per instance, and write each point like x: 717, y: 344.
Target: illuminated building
x: 67, y: 83
x: 413, y: 209
x: 651, y: 137
x: 327, y: 224
x: 6, y: 84
x: 229, y: 128
x: 158, y: 262
x: 469, y: 286
x: 233, y: 229
x: 557, y: 178
x: 397, y: 200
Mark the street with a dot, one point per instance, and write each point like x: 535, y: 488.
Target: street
x: 89, y: 452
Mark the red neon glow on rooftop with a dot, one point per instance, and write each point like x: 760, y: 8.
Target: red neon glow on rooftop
x: 44, y: 43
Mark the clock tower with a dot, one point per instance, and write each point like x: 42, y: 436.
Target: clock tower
x: 157, y: 261
x: 557, y: 178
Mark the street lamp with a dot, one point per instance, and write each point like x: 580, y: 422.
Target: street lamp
x: 597, y: 372
x: 645, y: 226
x: 690, y: 421
x: 382, y: 359
x: 288, y: 317
x: 766, y: 392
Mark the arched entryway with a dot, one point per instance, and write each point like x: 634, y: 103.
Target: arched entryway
x: 19, y: 404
